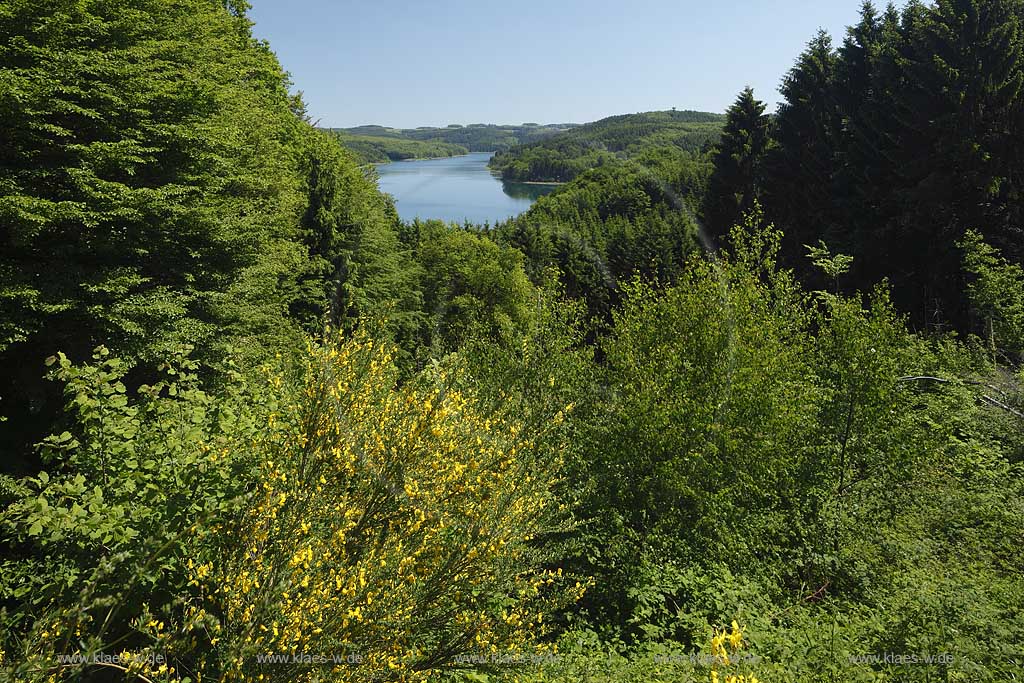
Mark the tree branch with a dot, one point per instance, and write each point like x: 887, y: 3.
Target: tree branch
x: 987, y: 399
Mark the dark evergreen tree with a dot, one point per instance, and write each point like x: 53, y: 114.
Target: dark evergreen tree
x: 860, y: 99
x: 734, y: 186
x: 892, y: 147
x: 869, y: 74
x: 801, y: 167
x: 955, y: 161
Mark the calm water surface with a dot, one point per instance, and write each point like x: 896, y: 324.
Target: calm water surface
x: 455, y: 189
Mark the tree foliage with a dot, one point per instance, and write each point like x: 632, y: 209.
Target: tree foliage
x: 161, y: 188
x: 734, y: 186
x: 574, y: 446
x: 377, y: 150
x: 892, y: 147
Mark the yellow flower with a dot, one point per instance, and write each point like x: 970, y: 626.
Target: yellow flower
x: 736, y: 637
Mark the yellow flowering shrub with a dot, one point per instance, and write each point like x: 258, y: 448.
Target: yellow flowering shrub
x: 725, y: 644
x: 392, y: 531
x: 324, y: 524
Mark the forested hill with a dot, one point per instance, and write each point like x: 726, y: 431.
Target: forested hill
x: 476, y: 137
x: 372, y: 149
x: 562, y: 157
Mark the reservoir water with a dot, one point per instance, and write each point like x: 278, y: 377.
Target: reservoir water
x: 455, y: 189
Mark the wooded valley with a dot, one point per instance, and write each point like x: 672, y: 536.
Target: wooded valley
x: 741, y: 401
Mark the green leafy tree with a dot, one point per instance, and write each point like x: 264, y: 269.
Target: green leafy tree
x: 779, y: 455
x: 100, y: 544
x: 149, y: 194
x: 997, y: 297
x: 471, y: 284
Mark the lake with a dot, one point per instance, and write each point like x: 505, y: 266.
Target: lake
x: 455, y: 189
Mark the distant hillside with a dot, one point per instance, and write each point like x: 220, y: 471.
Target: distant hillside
x: 562, y: 157
x: 476, y: 137
x: 374, y: 149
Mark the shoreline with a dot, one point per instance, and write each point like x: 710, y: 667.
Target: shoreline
x: 496, y: 174
x: 399, y: 161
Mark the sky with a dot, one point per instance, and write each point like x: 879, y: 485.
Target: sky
x: 409, y: 63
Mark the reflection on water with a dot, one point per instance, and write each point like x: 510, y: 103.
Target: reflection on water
x: 457, y: 189
x: 531, y: 191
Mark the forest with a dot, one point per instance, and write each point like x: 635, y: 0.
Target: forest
x: 739, y: 402
x: 477, y: 137
x: 561, y: 157
x: 381, y: 150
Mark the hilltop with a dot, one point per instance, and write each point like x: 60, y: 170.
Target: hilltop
x: 380, y: 143
x: 563, y: 156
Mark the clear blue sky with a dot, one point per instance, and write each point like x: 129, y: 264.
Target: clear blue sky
x: 408, y: 63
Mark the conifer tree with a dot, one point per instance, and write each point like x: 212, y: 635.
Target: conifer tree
x: 735, y: 184
x: 869, y: 74
x: 799, y: 183
x: 964, y: 82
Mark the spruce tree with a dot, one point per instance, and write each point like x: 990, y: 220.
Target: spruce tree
x: 870, y: 73
x: 801, y: 167
x: 957, y: 139
x: 735, y: 183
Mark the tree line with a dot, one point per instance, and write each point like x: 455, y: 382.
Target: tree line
x: 476, y: 137
x: 890, y: 147
x: 381, y: 150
